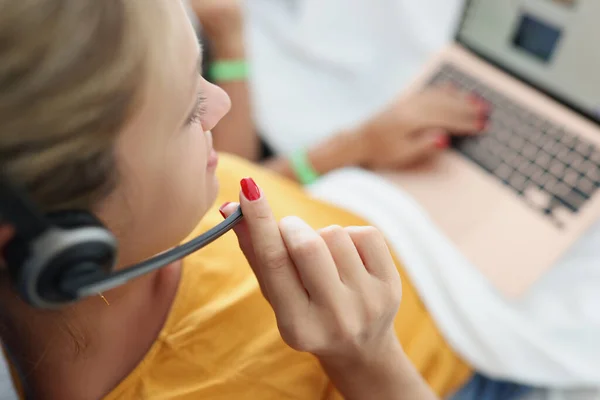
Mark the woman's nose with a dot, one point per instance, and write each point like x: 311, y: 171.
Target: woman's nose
x: 218, y: 105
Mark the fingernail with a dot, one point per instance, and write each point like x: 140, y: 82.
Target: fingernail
x: 442, y: 142
x: 250, y: 189
x: 223, y: 207
x: 479, y: 101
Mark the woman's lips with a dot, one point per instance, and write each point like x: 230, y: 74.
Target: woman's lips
x: 213, y: 157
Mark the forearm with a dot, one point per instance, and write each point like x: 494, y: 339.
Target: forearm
x: 235, y: 133
x: 342, y: 150
x: 393, y: 377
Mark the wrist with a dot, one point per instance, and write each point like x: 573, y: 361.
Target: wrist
x: 384, y: 373
x: 374, y: 359
x: 353, y: 147
x: 362, y: 144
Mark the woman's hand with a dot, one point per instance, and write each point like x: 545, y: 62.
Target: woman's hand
x: 335, y: 293
x: 417, y: 126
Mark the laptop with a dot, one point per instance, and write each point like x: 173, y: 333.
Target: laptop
x: 514, y: 199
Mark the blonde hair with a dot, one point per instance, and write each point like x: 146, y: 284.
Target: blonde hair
x: 70, y: 76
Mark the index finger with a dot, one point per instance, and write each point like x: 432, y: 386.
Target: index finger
x: 280, y: 278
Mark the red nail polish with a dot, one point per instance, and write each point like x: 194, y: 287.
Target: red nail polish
x: 250, y: 189
x: 222, y: 207
x: 480, y: 102
x: 442, y: 142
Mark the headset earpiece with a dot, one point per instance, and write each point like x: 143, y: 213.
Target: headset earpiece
x: 62, y: 257
x: 76, y: 244
x: 72, y: 219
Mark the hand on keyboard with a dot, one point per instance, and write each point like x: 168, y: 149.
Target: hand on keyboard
x: 553, y: 170
x: 417, y: 126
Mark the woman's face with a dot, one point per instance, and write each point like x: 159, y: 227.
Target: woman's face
x: 166, y: 162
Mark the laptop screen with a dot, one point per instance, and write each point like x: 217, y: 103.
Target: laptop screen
x: 551, y: 44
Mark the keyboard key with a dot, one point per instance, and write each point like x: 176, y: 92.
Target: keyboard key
x: 543, y: 160
x: 595, y: 157
x: 496, y: 148
x: 557, y: 169
x: 537, y: 198
x: 568, y: 140
x: 503, y: 136
x: 548, y: 146
x: 486, y: 160
x: 586, y: 187
x: 571, y: 177
x: 519, y: 160
x: 537, y: 173
x: 510, y: 157
x: 593, y: 173
x: 584, y: 149
x: 543, y: 180
x: 577, y: 162
x: 572, y: 200
x: 530, y: 151
x: 518, y: 182
x: 561, y: 189
x: 504, y: 172
x: 587, y: 168
x: 559, y: 149
x: 564, y: 155
x: 537, y: 138
x: 555, y: 132
x: 550, y: 183
x: 516, y: 143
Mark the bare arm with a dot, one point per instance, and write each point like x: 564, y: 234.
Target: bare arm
x: 235, y: 133
x: 412, y: 128
x: 391, y: 377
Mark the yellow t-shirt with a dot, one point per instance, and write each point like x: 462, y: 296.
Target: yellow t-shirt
x: 221, y: 341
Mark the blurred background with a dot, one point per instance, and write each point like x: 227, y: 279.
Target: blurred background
x: 319, y: 67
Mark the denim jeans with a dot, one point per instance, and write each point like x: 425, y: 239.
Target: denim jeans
x: 483, y: 388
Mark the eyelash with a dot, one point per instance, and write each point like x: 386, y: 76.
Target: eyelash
x: 198, y: 112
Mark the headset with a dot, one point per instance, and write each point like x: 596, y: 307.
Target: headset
x: 59, y: 258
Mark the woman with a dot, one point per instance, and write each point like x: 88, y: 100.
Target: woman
x: 116, y: 120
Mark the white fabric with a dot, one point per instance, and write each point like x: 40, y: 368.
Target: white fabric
x: 549, y: 338
x: 321, y: 65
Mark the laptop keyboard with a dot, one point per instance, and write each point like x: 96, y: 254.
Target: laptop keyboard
x: 548, y: 167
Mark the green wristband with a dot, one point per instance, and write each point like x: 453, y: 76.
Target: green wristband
x: 302, y: 168
x: 228, y: 70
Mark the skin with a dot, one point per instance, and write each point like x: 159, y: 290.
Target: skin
x: 341, y: 310
x: 170, y: 196
x: 413, y: 128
